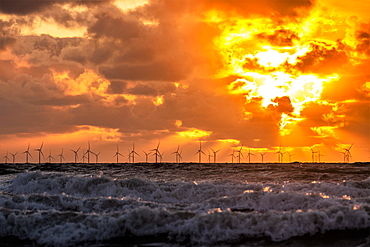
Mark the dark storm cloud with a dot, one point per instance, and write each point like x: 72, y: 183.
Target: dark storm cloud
x: 163, y: 71
x: 24, y: 7
x: 117, y: 87
x: 284, y: 104
x: 323, y: 58
x: 118, y: 28
x: 363, y: 45
x: 280, y: 37
x: 61, y: 100
x: 265, y: 7
x: 152, y: 89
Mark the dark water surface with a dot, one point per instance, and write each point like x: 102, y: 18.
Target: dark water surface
x: 188, y: 204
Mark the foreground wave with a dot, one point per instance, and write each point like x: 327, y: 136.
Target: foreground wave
x: 56, y: 209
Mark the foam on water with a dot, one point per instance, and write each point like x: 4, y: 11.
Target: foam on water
x: 64, y: 210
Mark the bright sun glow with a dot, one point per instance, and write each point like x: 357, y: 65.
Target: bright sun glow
x: 267, y: 70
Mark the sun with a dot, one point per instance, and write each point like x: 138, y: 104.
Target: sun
x: 267, y: 60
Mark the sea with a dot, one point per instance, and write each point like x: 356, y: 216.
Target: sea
x: 186, y: 204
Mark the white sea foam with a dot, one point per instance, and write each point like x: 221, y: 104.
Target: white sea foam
x: 60, y: 210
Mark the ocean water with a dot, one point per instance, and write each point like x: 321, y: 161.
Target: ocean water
x: 188, y: 204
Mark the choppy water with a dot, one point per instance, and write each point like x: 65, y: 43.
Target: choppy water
x: 185, y: 204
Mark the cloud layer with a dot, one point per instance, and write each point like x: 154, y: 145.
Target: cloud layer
x: 139, y: 72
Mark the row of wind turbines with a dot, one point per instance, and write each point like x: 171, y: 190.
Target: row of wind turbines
x: 236, y: 155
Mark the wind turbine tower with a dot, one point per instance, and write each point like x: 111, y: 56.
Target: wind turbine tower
x: 200, y: 152
x: 40, y: 152
x: 14, y: 156
x: 117, y: 154
x: 27, y: 153
x: 76, y: 153
x: 214, y: 155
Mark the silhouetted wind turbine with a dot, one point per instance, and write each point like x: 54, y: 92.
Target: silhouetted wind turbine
x: 214, y: 155
x: 76, y: 153
x: 200, y: 152
x: 161, y: 157
x: 96, y: 157
x: 6, y: 158
x: 180, y: 157
x: 280, y: 155
x: 290, y: 156
x: 240, y: 154
x: 117, y: 154
x: 157, y: 153
x: 40, y: 152
x: 133, y: 153
x: 262, y: 154
x: 61, y: 157
x: 146, y: 156
x: 232, y: 156
x: 209, y: 157
x: 348, y: 153
x: 177, y: 154
x: 319, y: 156
x: 14, y: 156
x: 27, y: 152
x: 50, y: 157
x: 249, y: 155
x: 313, y: 155
x: 88, y: 151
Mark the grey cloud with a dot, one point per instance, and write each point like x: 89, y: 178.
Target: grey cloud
x: 117, y: 87
x: 24, y: 7
x: 111, y: 27
x: 152, y: 89
x: 157, y: 71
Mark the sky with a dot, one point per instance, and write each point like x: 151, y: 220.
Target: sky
x: 276, y: 79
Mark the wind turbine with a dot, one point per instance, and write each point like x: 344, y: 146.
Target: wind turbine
x: 6, y: 158
x: 14, y: 156
x: 262, y: 154
x: 240, y: 154
x: 96, y: 157
x: 232, y: 156
x: 348, y: 153
x: 157, y: 153
x: 280, y: 155
x: 180, y: 157
x: 214, y: 155
x: 249, y: 155
x: 117, y: 154
x: 76, y: 153
x: 50, y: 157
x: 290, y: 156
x: 319, y: 156
x: 146, y: 156
x: 209, y: 157
x: 88, y: 152
x: 177, y: 154
x: 161, y: 157
x: 313, y: 155
x: 200, y: 152
x: 133, y: 152
x: 40, y: 152
x: 61, y: 157
x: 27, y: 152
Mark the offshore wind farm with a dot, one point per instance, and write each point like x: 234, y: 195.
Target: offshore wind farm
x: 155, y: 156
x: 183, y: 123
